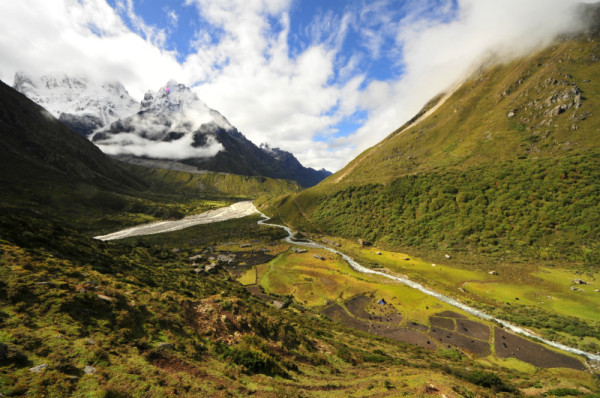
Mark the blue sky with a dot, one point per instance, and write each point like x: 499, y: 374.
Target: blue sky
x: 323, y: 79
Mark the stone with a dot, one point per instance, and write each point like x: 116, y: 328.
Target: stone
x: 39, y: 368
x: 511, y: 114
x: 319, y: 257
x: 579, y: 282
x: 493, y: 272
x: 90, y: 341
x: 363, y: 242
x: 165, y: 346
x: 105, y: 298
x: 448, y: 256
x: 88, y: 370
x: 378, y: 253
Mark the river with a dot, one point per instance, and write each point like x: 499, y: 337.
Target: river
x: 242, y: 209
x: 449, y: 300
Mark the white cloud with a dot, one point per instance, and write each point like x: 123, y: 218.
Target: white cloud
x: 133, y: 144
x: 244, y: 67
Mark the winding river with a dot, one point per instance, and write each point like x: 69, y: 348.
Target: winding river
x: 242, y: 209
x: 449, y: 300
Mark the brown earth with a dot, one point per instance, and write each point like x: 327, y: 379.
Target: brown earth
x: 449, y: 339
x: 473, y: 329
x: 509, y: 345
x: 443, y: 323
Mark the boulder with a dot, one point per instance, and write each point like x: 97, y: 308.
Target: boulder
x: 447, y: 256
x: 363, y: 242
x: 89, y: 370
x: 39, y: 368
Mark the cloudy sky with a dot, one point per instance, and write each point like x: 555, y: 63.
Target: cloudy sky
x: 323, y: 79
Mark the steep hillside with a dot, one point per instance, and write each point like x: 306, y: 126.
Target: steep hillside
x: 47, y: 168
x: 174, y: 125
x: 163, y: 315
x: 506, y: 166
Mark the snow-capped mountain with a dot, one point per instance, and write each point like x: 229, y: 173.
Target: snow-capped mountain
x: 80, y: 103
x: 169, y: 125
x: 174, y: 124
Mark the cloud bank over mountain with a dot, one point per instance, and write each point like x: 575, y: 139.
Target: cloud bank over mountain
x: 323, y: 81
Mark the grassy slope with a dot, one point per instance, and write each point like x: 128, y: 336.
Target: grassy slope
x: 71, y: 302
x: 469, y: 178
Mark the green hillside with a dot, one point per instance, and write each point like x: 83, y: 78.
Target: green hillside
x: 147, y: 317
x: 506, y: 168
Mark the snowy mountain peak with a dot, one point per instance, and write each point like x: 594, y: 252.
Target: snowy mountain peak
x: 81, y: 103
x: 175, y: 100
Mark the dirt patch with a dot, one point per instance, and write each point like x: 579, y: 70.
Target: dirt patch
x: 450, y: 314
x: 238, y: 270
x: 473, y: 329
x: 337, y: 313
x: 171, y: 364
x: 406, y: 335
x: 359, y: 306
x: 255, y: 291
x: 443, y: 323
x: 509, y: 345
x: 448, y: 339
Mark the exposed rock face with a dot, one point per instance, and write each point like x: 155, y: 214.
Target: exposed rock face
x: 80, y: 103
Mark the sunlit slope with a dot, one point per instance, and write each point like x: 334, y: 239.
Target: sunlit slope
x: 553, y: 95
x: 508, y: 164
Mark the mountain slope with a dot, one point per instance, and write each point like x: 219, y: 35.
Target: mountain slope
x: 507, y: 166
x: 49, y: 168
x: 81, y: 316
x: 173, y: 124
x: 78, y: 102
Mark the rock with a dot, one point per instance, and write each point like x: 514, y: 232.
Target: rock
x: 279, y: 304
x: 245, y: 245
x: 430, y: 388
x: 448, y: 256
x: 89, y: 370
x: 165, y: 346
x: 198, y: 270
x: 574, y: 288
x: 39, y: 368
x: 433, y: 265
x: 297, y: 250
x: 105, y: 298
x: 378, y: 253
x: 210, y: 268
x: 196, y: 257
x: 579, y: 282
x: 511, y: 114
x: 90, y: 341
x: 363, y: 242
x: 493, y: 272
x: 319, y: 257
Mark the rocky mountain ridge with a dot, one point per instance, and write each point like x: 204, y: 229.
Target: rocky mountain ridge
x: 82, y: 104
x: 170, y: 124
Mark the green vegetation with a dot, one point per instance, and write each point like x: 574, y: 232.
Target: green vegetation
x: 498, y: 170
x: 542, y: 209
